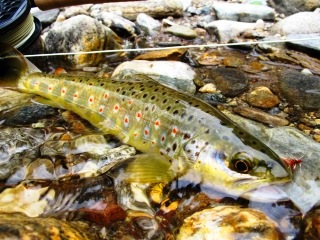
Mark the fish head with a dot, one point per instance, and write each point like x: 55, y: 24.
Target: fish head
x: 237, y: 169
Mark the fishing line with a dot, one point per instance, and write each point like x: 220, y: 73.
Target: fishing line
x: 212, y: 45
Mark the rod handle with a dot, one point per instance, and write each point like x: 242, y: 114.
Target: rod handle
x: 50, y: 4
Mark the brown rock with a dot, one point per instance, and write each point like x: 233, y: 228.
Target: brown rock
x: 169, y: 54
x: 262, y: 97
x: 261, y: 116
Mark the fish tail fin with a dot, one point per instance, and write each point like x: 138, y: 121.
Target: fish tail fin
x: 13, y: 66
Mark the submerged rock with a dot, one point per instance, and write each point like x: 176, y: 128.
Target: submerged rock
x: 229, y: 222
x: 172, y: 73
x: 262, y: 97
x: 80, y: 33
x: 229, y: 81
x: 301, y: 89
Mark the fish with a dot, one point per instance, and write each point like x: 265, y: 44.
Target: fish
x: 176, y: 132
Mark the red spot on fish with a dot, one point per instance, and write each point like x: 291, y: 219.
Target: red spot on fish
x: 157, y: 123
x: 91, y: 99
x: 174, y: 131
x: 63, y: 91
x: 106, y: 95
x: 162, y: 138
x: 135, y: 134
x: 291, y: 162
x: 138, y: 115
x: 153, y: 142
x: 130, y: 101
x: 50, y: 88
x: 126, y: 120
x: 146, y: 132
x: 75, y: 95
x: 101, y: 109
x: 116, y: 108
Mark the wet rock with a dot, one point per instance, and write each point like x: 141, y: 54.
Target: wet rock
x: 174, y: 74
x: 299, y: 23
x: 229, y: 222
x: 208, y: 88
x: 148, y: 24
x: 19, y: 146
x: 168, y: 54
x: 120, y: 25
x: 262, y: 97
x: 18, y: 226
x: 80, y: 33
x: 311, y: 47
x: 212, y: 98
x: 272, y: 47
x: 225, y: 30
x: 28, y: 114
x: 46, y: 17
x: 181, y: 31
x: 292, y: 145
x: 243, y: 12
x: 231, y: 82
x: 130, y: 10
x: 261, y: 116
x: 289, y: 7
x: 300, y: 89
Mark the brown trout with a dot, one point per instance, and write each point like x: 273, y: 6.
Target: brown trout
x: 163, y: 123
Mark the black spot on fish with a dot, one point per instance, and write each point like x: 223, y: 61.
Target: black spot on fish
x: 262, y: 150
x: 183, y: 115
x: 165, y: 100
x: 118, y: 90
x: 123, y: 92
x: 206, y: 143
x: 142, y: 89
x: 223, y: 123
x: 146, y: 109
x: 190, y: 118
x: 145, y: 95
x: 133, y: 93
x: 153, y: 97
x: 207, y: 131
x: 193, y: 141
x: 174, y: 146
x: 254, y: 142
x: 168, y: 108
x: 102, y: 84
x: 168, y: 150
x: 177, y: 101
x: 197, y: 154
x: 156, y: 89
x: 164, y: 93
x: 186, y: 136
x: 197, y: 105
x: 175, y: 112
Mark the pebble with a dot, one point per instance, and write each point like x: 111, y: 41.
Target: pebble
x: 46, y: 17
x: 261, y: 116
x: 262, y: 97
x: 208, y: 88
x: 181, y: 31
x: 300, y: 89
x: 148, y: 24
x: 172, y: 73
x: 231, y: 82
x: 243, y: 12
x: 167, y: 54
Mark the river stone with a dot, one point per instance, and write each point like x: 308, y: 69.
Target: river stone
x: 130, y: 10
x: 262, y: 97
x: 228, y: 222
x: 181, y: 31
x: 299, y: 23
x: 148, y: 24
x: 226, y: 30
x: 74, y: 11
x: 311, y: 47
x: 177, y: 75
x: 290, y: 143
x: 289, y: 7
x: 80, y: 33
x: 231, y: 82
x: 243, y: 12
x: 120, y: 25
x: 46, y: 17
x: 301, y: 89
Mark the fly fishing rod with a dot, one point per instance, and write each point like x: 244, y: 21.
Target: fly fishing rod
x: 19, y: 28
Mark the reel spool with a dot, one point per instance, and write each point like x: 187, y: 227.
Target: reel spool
x: 17, y: 25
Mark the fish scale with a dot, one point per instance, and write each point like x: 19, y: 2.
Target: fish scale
x: 160, y: 121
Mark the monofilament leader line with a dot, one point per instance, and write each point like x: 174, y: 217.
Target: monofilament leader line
x: 212, y: 45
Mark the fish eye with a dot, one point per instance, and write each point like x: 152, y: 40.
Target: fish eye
x: 242, y: 163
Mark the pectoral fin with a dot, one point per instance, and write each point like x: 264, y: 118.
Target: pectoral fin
x: 149, y: 169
